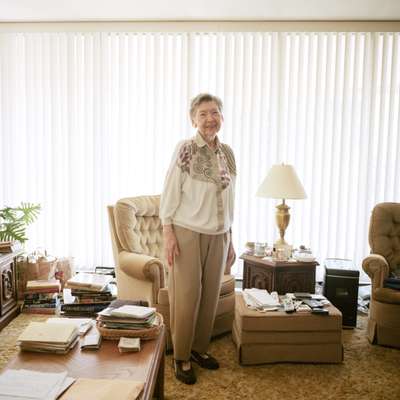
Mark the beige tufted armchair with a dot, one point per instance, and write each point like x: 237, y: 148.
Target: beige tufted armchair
x: 384, y: 240
x: 136, y: 234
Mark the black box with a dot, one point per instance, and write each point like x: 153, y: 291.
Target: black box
x: 341, y: 288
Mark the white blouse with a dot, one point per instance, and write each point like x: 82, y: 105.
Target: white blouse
x: 199, y: 187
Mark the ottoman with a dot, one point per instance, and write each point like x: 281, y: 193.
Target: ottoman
x: 276, y: 336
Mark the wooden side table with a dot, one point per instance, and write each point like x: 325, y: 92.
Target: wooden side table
x: 281, y: 276
x: 9, y: 307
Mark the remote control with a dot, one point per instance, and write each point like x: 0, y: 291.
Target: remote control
x: 288, y: 305
x: 302, y: 295
x: 320, y: 311
x: 312, y: 303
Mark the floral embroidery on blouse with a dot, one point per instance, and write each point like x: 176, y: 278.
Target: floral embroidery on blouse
x: 200, y: 163
x: 223, y: 169
x: 184, y: 157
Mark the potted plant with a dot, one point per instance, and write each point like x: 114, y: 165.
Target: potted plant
x: 14, y: 221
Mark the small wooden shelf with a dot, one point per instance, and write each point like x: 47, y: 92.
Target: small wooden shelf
x: 281, y: 276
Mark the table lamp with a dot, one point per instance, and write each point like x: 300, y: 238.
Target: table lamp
x: 283, y: 183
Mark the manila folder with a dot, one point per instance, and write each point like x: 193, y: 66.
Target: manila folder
x: 103, y: 389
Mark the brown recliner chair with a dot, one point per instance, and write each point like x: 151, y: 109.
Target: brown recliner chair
x: 384, y: 240
x: 136, y: 234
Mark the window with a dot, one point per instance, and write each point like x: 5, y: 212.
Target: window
x: 88, y: 118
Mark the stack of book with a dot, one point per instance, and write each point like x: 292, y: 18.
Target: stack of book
x: 46, y: 337
x: 89, y: 294
x: 127, y: 317
x: 41, y: 297
x: 88, y: 281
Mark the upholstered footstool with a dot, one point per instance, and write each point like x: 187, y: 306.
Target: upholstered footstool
x: 276, y: 336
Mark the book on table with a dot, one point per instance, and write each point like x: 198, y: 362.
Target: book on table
x: 47, y: 337
x: 128, y: 344
x: 41, y: 296
x: 43, y: 286
x: 88, y: 281
x: 82, y: 309
x: 132, y: 311
x: 92, y: 341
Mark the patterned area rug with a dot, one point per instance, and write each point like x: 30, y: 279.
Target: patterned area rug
x: 368, y: 372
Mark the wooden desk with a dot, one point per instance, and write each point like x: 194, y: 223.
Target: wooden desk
x: 8, y: 288
x: 281, y: 276
x: 107, y: 363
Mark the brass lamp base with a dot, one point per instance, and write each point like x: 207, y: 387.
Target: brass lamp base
x: 282, y: 220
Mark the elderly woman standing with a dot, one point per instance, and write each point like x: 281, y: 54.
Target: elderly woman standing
x: 197, y: 212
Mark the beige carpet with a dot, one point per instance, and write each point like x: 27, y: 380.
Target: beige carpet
x: 368, y: 372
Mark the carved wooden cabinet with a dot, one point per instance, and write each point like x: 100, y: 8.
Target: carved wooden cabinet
x: 8, y: 288
x: 281, y: 276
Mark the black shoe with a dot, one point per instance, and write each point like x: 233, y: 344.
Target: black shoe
x: 204, y: 360
x: 185, y: 376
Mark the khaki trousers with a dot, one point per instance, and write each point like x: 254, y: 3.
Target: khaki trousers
x: 193, y: 289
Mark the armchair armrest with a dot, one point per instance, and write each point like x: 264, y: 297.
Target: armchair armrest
x: 377, y: 268
x: 143, y: 267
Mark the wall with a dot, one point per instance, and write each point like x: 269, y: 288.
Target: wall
x: 122, y: 10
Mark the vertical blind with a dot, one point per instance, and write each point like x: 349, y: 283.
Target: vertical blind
x: 88, y: 118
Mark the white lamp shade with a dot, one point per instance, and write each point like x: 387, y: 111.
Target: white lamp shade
x: 282, y: 182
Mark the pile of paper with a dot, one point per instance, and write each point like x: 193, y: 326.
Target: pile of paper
x: 104, y: 389
x: 48, y: 337
x: 260, y: 299
x: 24, y: 384
x: 128, y: 317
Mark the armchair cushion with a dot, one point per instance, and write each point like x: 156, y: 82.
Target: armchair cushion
x: 386, y: 295
x: 227, y: 285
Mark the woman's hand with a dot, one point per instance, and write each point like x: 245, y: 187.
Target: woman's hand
x: 231, y: 255
x: 171, y: 247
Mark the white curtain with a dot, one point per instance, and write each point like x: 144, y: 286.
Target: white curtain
x: 88, y: 118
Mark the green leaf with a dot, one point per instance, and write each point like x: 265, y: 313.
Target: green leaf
x: 14, y: 221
